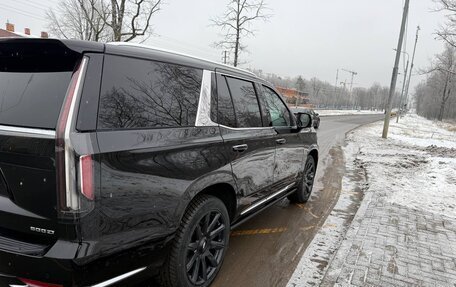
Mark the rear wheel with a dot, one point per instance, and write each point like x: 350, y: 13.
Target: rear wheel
x: 302, y: 193
x: 199, y: 246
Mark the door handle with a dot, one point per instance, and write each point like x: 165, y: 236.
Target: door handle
x: 240, y: 148
x: 281, y: 141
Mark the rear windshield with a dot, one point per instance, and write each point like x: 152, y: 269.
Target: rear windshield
x: 34, y: 78
x: 32, y: 99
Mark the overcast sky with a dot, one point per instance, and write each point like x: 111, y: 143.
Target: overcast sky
x: 312, y: 38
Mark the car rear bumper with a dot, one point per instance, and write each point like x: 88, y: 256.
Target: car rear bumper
x: 59, y: 267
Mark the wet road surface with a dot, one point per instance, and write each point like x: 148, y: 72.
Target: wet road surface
x: 265, y: 250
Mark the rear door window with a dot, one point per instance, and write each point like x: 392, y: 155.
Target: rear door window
x: 147, y: 94
x: 245, y: 103
x: 225, y: 111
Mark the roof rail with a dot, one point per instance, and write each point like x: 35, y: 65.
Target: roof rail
x: 177, y: 53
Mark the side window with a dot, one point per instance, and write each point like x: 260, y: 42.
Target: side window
x: 225, y: 115
x: 147, y: 94
x: 280, y: 116
x: 245, y: 103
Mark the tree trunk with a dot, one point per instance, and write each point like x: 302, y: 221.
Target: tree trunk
x: 236, y: 45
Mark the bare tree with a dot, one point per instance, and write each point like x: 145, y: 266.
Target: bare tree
x: 237, y: 23
x: 322, y: 93
x: 442, y: 75
x: 447, y: 32
x: 129, y: 19
x: 77, y: 19
x: 435, y: 97
x: 102, y: 20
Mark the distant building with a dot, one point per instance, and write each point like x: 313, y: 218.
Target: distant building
x: 10, y: 32
x: 290, y: 96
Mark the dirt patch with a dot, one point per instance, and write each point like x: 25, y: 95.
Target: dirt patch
x: 440, y: 151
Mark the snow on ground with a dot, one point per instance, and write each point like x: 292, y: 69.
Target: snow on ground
x: 415, y: 166
x: 417, y: 163
x: 346, y: 112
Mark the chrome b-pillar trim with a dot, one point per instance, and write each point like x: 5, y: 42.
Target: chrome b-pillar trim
x: 203, y: 116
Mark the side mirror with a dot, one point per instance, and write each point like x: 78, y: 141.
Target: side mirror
x: 317, y: 114
x: 304, y: 120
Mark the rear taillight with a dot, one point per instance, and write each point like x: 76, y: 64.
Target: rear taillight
x: 34, y: 283
x: 86, y: 176
x: 66, y: 159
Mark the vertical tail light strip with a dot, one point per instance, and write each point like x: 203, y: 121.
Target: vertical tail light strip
x: 65, y: 161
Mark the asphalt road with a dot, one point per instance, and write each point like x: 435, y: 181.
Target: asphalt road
x: 265, y: 250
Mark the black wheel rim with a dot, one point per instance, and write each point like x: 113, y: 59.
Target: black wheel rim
x: 309, y: 176
x: 206, y: 248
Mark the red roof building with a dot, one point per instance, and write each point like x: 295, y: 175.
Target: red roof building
x: 10, y: 32
x: 290, y: 96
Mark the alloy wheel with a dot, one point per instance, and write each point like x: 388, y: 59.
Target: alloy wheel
x: 206, y: 247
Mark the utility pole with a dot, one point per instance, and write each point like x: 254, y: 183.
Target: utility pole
x: 395, y: 70
x: 411, y: 67
x: 337, y: 79
x: 403, y: 87
x: 336, y: 98
x: 225, y: 57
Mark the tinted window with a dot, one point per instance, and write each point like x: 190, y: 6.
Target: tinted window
x: 147, y: 94
x: 280, y: 116
x: 225, y: 115
x: 245, y: 103
x: 32, y: 99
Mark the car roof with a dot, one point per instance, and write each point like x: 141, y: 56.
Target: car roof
x: 157, y: 53
x: 142, y: 51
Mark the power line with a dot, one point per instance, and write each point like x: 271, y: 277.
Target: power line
x: 15, y: 10
x: 34, y: 6
x: 41, y: 1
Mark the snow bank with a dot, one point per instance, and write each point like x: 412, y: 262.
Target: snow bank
x: 346, y: 112
x: 417, y: 163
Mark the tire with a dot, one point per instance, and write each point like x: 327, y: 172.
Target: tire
x: 305, y: 185
x: 192, y: 251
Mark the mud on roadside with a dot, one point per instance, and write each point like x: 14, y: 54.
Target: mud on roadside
x: 350, y: 181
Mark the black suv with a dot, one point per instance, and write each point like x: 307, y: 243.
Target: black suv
x: 120, y: 161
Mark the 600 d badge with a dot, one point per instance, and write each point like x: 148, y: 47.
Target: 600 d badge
x: 42, y: 230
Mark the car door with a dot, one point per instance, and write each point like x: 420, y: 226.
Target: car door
x: 290, y: 145
x: 251, y: 146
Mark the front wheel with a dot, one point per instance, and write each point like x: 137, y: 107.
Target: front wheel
x: 199, y: 246
x: 304, y: 189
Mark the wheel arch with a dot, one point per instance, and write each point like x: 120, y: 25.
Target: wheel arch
x: 221, y: 186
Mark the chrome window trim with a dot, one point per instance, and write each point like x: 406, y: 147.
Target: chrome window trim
x: 258, y: 203
x: 244, y: 129
x: 27, y: 132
